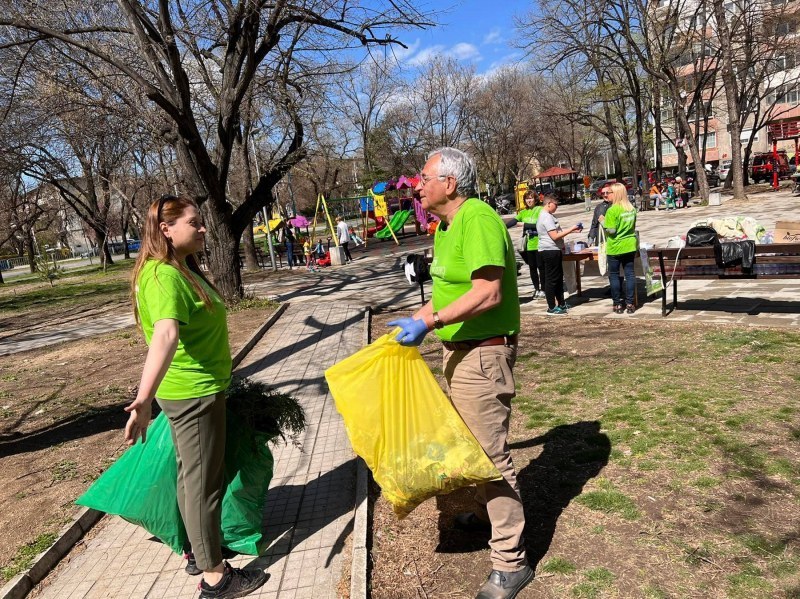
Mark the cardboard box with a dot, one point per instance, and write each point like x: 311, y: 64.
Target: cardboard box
x: 787, y: 232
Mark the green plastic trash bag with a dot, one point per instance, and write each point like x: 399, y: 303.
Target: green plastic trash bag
x: 141, y: 487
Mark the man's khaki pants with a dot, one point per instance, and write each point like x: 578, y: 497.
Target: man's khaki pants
x: 198, y: 432
x: 481, y: 383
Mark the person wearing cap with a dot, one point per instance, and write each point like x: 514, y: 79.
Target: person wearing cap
x: 475, y: 311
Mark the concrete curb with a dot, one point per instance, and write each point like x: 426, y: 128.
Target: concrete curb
x: 257, y: 335
x: 358, y: 567
x: 22, y: 584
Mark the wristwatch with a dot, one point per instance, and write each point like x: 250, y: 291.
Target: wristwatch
x: 437, y: 322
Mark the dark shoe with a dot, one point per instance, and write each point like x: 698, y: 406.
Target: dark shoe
x: 505, y: 585
x: 469, y: 522
x: 618, y: 309
x: 235, y: 583
x: 191, y: 565
x: 630, y: 309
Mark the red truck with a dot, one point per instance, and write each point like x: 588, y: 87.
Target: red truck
x: 762, y: 167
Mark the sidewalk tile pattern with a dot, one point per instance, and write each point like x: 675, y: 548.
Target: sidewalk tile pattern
x: 310, y: 506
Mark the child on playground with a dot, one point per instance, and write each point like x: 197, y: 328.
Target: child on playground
x: 311, y: 262
x: 356, y: 237
x: 319, y: 249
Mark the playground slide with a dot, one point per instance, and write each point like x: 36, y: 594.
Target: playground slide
x: 399, y: 219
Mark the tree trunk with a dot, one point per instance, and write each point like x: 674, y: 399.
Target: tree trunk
x: 223, y: 254
x: 31, y: 250
x: 657, y: 131
x: 249, y: 243
x: 700, y: 173
x: 731, y: 92
x: 127, y: 252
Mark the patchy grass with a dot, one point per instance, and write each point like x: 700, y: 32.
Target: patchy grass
x: 24, y: 557
x: 656, y: 459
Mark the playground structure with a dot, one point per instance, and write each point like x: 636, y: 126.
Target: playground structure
x: 385, y: 210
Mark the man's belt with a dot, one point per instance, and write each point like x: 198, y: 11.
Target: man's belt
x: 473, y: 343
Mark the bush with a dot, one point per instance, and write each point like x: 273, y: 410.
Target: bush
x: 266, y: 410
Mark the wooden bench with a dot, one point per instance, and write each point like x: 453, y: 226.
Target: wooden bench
x: 772, y: 261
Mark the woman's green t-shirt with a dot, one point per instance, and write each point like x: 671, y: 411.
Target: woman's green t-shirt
x: 530, y: 216
x: 202, y: 362
x: 623, y: 241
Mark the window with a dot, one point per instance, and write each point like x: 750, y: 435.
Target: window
x: 784, y: 95
x: 786, y: 61
x: 710, y: 140
x: 746, y: 134
x: 705, y: 111
x: 667, y: 148
x: 785, y: 28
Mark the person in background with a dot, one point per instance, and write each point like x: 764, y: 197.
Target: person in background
x: 288, y: 240
x: 528, y: 217
x: 309, y: 255
x: 619, y: 224
x: 551, y: 249
x: 599, y: 211
x: 657, y: 194
x: 681, y: 193
x: 475, y: 312
x: 343, y: 231
x: 187, y: 369
x: 319, y: 249
x: 356, y: 237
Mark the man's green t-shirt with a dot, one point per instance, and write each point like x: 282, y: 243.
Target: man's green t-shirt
x: 624, y: 221
x: 530, y: 216
x: 477, y: 237
x: 202, y: 362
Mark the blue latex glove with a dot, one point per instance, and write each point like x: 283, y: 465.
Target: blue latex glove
x: 414, y: 330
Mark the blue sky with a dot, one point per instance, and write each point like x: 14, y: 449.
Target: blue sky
x: 473, y: 31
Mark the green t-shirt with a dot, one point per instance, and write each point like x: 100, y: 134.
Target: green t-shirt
x: 530, y: 216
x: 624, y: 221
x: 477, y: 237
x: 202, y: 362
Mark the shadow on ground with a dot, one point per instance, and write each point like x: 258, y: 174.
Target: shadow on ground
x: 572, y: 454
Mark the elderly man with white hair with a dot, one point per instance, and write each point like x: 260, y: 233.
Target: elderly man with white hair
x: 474, y: 310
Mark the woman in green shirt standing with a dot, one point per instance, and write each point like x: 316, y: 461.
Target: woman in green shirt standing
x: 619, y: 224
x: 187, y: 369
x: 529, y: 217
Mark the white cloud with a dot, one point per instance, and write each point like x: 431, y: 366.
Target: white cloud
x: 493, y: 37
x: 465, y: 51
x: 460, y: 51
x: 401, y: 54
x: 425, y: 55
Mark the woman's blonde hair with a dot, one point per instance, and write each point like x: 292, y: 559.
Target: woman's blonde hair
x: 619, y: 195
x: 155, y: 246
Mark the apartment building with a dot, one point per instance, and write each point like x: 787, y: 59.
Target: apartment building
x: 776, y: 68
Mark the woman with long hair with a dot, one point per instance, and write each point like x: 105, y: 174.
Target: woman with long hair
x: 619, y: 224
x: 187, y: 369
x: 528, y: 217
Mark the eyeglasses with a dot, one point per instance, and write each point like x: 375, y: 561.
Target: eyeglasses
x: 425, y: 178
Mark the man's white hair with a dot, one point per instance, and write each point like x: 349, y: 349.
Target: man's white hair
x: 457, y: 164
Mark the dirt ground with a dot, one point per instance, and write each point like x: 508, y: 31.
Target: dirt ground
x: 61, y: 420
x: 708, y: 510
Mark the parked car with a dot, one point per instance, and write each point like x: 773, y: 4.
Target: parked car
x: 724, y: 168
x: 712, y: 177
x: 596, y: 186
x: 762, y: 168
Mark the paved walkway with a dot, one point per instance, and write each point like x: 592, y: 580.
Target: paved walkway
x: 310, y: 506
x: 309, y: 512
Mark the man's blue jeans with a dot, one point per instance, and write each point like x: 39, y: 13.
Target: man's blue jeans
x: 614, y: 277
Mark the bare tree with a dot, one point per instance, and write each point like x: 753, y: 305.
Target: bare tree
x: 197, y: 65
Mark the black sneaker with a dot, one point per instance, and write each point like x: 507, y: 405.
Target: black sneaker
x: 191, y: 565
x: 235, y: 583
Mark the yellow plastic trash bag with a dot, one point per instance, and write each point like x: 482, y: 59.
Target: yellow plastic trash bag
x: 403, y: 425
